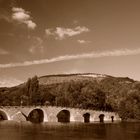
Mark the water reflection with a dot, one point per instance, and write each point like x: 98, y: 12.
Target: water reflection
x: 10, y: 130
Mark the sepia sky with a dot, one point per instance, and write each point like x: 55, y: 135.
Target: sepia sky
x: 40, y: 37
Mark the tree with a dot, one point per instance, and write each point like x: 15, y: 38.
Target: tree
x: 129, y: 107
x: 32, y: 91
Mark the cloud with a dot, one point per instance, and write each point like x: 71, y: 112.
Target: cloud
x: 49, y: 32
x: 3, y: 52
x: 36, y: 45
x: 61, y: 33
x: 83, y: 41
x: 73, y: 71
x: 22, y: 16
x: 115, y: 53
x: 9, y: 82
x: 75, y: 22
x: 5, y: 17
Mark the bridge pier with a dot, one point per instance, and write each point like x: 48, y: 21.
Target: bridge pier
x: 86, y: 117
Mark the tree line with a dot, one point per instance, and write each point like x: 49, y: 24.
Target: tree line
x: 110, y: 94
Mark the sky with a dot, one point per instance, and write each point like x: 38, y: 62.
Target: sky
x: 42, y: 37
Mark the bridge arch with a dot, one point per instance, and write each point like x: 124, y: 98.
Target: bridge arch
x: 86, y: 117
x: 112, y: 118
x: 101, y: 117
x: 3, y: 115
x: 63, y: 116
x: 36, y: 116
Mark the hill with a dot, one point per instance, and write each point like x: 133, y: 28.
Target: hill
x: 61, y: 78
x: 88, y: 91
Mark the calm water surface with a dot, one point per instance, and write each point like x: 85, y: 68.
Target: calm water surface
x: 10, y: 130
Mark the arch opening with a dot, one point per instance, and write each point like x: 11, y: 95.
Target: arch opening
x: 112, y: 118
x: 101, y: 117
x: 86, y: 117
x: 36, y: 116
x: 63, y: 116
x: 3, y: 116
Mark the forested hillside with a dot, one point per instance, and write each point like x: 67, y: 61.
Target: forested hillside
x: 99, y: 92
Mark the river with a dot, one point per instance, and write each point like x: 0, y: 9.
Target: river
x: 10, y: 130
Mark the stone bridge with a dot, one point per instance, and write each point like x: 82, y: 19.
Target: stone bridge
x: 55, y: 114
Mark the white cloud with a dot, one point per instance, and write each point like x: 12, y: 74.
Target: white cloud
x: 61, y: 33
x: 22, y: 16
x: 124, y: 52
x: 75, y: 22
x: 3, y: 52
x: 49, y: 32
x: 36, y: 45
x: 5, y: 17
x: 30, y: 24
x: 83, y: 41
x: 9, y: 82
x: 36, y: 49
x: 73, y: 71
